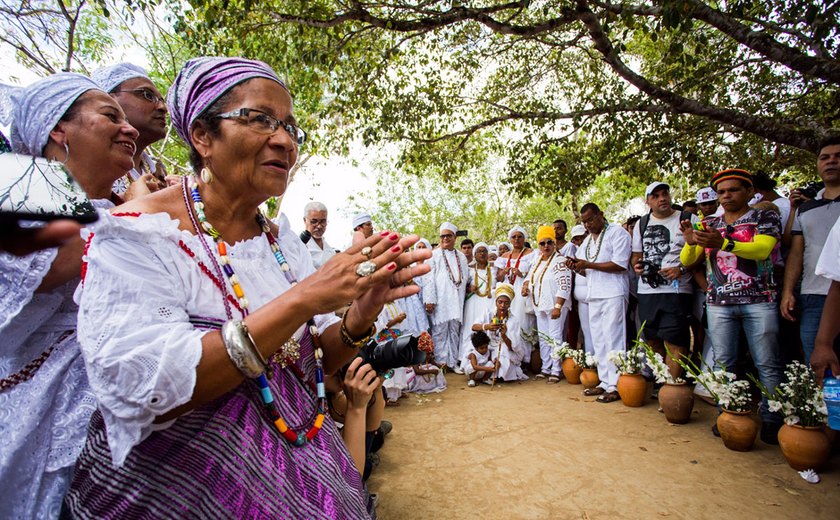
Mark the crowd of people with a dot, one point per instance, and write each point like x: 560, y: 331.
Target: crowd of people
x: 187, y: 356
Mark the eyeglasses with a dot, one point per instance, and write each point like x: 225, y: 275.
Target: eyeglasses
x: 546, y: 243
x: 262, y: 123
x: 145, y: 93
x: 444, y: 237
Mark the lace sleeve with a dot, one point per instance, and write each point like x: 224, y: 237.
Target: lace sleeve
x: 20, y: 277
x: 140, y: 350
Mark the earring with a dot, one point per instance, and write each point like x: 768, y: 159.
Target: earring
x: 66, y: 154
x: 206, y: 175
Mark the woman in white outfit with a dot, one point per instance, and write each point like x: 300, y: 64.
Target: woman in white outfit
x: 480, y: 295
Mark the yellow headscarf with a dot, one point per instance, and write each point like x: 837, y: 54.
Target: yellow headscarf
x: 504, y: 289
x: 545, y: 232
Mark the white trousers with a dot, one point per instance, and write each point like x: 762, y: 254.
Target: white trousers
x: 583, y: 316
x: 447, y: 338
x: 554, y: 329
x: 607, y: 324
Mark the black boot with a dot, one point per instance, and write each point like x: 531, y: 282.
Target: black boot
x: 770, y: 432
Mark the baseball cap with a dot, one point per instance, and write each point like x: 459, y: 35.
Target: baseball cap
x: 578, y: 231
x: 706, y: 195
x: 653, y: 186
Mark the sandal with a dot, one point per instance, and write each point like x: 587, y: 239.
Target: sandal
x: 608, y: 397
x: 552, y: 380
x: 539, y: 376
x: 591, y: 392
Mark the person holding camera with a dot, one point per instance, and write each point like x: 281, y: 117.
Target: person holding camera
x: 812, y: 222
x: 315, y: 220
x: 665, y: 290
x: 741, y: 295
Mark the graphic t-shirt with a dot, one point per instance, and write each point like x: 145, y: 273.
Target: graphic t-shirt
x: 661, y: 246
x: 734, y: 280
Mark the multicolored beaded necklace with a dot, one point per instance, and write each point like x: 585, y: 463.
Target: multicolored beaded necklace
x: 534, y: 297
x: 291, y: 350
x: 451, y: 276
x: 600, y: 241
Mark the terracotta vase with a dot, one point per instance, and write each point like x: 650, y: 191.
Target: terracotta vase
x: 677, y: 401
x: 737, y: 430
x: 804, y: 447
x: 572, y: 371
x: 633, y: 389
x: 589, y: 377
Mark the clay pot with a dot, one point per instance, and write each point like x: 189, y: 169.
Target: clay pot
x: 804, y: 447
x: 572, y: 371
x: 737, y: 430
x: 677, y: 401
x: 633, y: 389
x: 589, y: 378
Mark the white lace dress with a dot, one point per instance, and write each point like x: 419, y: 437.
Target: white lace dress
x: 43, y: 418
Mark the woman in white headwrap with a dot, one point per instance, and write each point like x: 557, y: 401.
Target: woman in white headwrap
x: 512, y: 268
x: 502, y: 327
x: 480, y: 294
x: 45, y: 401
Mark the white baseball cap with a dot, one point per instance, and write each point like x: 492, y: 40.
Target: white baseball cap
x: 653, y: 186
x: 706, y: 194
x: 578, y: 231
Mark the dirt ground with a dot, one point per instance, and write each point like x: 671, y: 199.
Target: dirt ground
x: 532, y: 450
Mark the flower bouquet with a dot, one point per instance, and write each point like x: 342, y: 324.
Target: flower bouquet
x: 660, y: 370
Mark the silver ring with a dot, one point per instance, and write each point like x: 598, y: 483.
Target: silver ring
x: 367, y: 251
x: 366, y: 268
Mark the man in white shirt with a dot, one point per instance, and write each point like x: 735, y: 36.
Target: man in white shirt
x: 603, y: 258
x: 315, y: 220
x: 444, y: 295
x: 665, y: 291
x: 362, y: 227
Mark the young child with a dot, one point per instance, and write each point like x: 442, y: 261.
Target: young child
x: 479, y: 364
x: 428, y: 377
x: 389, y: 326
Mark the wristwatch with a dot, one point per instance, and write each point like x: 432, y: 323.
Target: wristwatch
x: 730, y: 245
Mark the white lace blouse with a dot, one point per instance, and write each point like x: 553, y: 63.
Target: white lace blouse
x: 139, y: 302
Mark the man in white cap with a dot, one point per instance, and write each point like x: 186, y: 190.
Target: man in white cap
x: 315, y: 220
x: 707, y: 201
x: 145, y: 109
x: 444, y: 296
x: 578, y: 234
x: 362, y: 227
x: 665, y: 290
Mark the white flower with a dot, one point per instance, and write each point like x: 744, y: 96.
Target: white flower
x: 790, y: 420
x: 774, y: 406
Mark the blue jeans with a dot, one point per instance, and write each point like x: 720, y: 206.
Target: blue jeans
x: 809, y: 321
x: 760, y: 322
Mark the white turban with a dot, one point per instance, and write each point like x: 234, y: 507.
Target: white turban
x: 481, y: 244
x: 39, y: 107
x: 424, y: 241
x: 448, y: 226
x: 506, y: 244
x: 519, y: 229
x: 109, y: 78
x: 492, y: 249
x: 360, y: 219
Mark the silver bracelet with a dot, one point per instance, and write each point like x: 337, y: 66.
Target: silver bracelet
x: 241, y: 349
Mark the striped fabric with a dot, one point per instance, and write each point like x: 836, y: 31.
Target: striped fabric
x: 225, y: 460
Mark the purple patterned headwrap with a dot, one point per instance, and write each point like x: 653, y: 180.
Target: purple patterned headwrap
x: 204, y: 80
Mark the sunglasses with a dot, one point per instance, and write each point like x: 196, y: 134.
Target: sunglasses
x: 442, y: 237
x: 545, y: 243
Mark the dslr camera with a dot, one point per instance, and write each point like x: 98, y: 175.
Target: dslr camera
x: 650, y: 274
x: 811, y: 189
x: 394, y: 353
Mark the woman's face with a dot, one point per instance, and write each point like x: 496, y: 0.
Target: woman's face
x: 480, y: 255
x: 503, y: 249
x: 251, y: 163
x: 98, y: 137
x: 518, y: 240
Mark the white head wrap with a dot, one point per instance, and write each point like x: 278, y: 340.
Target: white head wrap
x: 492, y: 249
x: 481, y: 244
x: 424, y: 241
x: 360, y: 219
x: 578, y: 231
x: 519, y: 229
x: 449, y: 226
x: 506, y: 244
x: 109, y: 78
x: 36, y: 109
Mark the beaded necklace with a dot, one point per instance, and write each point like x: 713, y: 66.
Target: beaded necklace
x: 512, y: 276
x: 534, y: 297
x: 291, y: 349
x: 600, y: 241
x: 477, y: 291
x: 451, y: 275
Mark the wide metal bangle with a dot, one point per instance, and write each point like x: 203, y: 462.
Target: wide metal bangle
x: 241, y: 349
x: 348, y: 340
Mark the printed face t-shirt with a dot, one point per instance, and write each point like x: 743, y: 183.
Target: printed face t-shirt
x: 661, y: 246
x: 736, y: 281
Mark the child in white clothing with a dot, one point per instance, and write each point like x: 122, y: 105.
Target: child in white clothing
x: 428, y: 377
x: 479, y: 365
